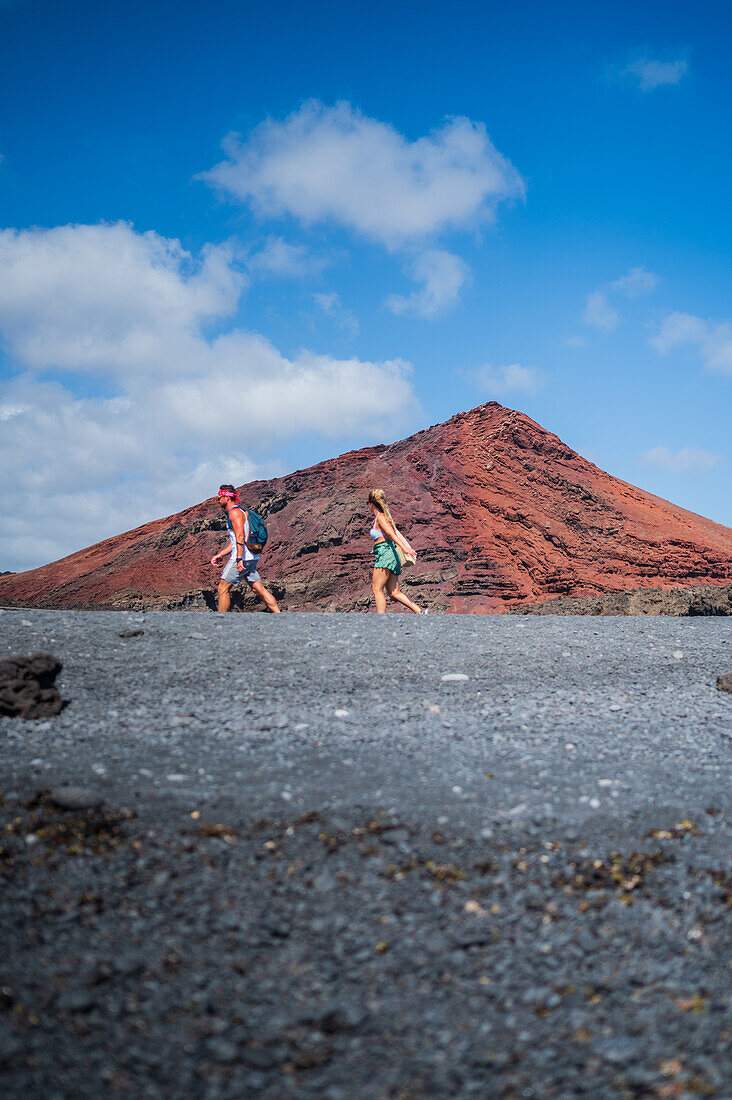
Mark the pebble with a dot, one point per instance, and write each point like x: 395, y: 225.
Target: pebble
x: 75, y: 798
x: 258, y: 1058
x: 75, y: 1000
x: 453, y: 677
x: 221, y: 1050
x: 621, y: 1051
x: 10, y: 1045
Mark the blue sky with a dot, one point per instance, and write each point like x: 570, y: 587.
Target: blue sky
x: 427, y: 205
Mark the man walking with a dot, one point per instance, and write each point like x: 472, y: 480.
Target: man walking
x: 242, y: 563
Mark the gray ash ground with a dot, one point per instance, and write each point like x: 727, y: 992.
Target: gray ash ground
x: 303, y: 864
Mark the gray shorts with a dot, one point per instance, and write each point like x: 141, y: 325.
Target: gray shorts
x: 233, y: 576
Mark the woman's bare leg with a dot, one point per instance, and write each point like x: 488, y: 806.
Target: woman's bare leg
x: 379, y: 582
x: 392, y: 590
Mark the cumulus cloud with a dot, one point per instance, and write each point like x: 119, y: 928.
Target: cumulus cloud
x: 599, y: 310
x: 279, y: 258
x: 330, y: 304
x: 190, y: 408
x: 100, y: 466
x: 336, y: 164
x: 253, y: 390
x: 650, y: 74
x: 500, y: 381
x: 712, y: 340
x: 442, y: 276
x: 103, y: 297
x: 689, y: 460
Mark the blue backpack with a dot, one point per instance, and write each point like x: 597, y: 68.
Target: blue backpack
x: 257, y: 531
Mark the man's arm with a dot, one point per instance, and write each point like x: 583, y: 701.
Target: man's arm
x: 221, y: 554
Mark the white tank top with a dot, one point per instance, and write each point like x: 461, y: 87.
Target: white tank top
x: 246, y: 553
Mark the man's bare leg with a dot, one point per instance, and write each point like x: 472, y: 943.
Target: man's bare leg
x: 224, y: 595
x: 266, y: 596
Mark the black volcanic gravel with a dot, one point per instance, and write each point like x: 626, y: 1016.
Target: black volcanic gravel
x: 283, y: 857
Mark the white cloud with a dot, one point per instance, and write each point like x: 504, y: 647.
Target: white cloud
x: 651, y: 74
x: 279, y: 258
x: 712, y: 340
x: 187, y: 405
x: 677, y: 329
x: 252, y: 390
x: 638, y: 281
x: 688, y: 460
x: 501, y: 381
x: 575, y: 341
x: 330, y: 304
x: 600, y: 312
x: 336, y: 164
x: 442, y: 276
x: 7, y: 412
x: 103, y: 297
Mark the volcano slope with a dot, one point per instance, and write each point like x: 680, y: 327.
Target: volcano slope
x: 501, y: 511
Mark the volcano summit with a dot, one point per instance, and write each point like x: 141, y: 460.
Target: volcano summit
x: 501, y: 511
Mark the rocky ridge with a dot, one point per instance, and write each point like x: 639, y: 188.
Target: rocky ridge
x: 502, y: 513
x: 697, y: 599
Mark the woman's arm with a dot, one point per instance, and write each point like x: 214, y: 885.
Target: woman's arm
x: 392, y: 533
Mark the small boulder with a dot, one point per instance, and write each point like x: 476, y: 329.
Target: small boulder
x: 27, y: 686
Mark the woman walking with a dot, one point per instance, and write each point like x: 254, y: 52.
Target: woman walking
x: 387, y: 565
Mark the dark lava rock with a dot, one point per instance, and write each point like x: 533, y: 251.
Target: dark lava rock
x: 691, y: 600
x: 130, y: 633
x: 724, y: 683
x: 27, y: 686
x: 75, y: 1000
x: 75, y: 798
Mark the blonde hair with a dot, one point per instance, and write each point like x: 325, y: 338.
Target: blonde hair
x: 378, y: 499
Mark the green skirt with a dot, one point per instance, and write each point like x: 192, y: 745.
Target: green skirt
x: 386, y: 557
